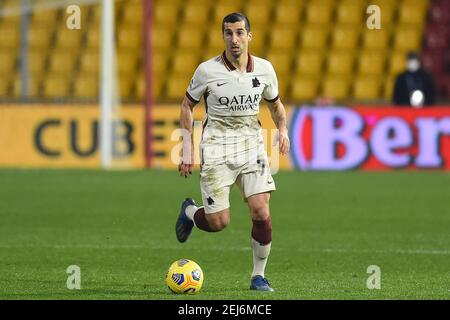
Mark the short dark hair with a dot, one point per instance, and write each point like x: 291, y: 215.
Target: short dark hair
x: 235, y: 17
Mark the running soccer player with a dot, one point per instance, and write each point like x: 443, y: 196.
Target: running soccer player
x: 232, y: 149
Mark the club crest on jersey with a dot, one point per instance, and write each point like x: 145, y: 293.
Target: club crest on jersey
x: 255, y: 82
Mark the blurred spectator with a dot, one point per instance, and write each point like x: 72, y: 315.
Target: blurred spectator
x: 415, y: 86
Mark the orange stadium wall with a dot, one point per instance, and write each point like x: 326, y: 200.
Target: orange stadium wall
x: 322, y: 138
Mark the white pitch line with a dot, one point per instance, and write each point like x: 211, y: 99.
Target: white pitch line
x: 397, y: 251
x: 241, y: 248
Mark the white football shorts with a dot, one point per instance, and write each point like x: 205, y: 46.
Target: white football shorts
x: 248, y: 168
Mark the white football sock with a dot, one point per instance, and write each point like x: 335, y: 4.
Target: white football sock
x: 260, y: 255
x: 190, y: 211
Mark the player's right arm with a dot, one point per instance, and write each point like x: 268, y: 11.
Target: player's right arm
x: 194, y: 92
x: 187, y: 149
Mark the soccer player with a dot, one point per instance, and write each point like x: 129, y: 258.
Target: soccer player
x: 232, y: 149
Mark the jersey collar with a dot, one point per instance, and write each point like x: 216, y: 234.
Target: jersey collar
x: 230, y: 67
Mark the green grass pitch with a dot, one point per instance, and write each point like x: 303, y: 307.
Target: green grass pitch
x: 118, y: 227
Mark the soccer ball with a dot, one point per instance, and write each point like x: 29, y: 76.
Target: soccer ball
x: 184, y: 276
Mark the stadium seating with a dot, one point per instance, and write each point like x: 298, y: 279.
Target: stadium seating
x: 90, y: 61
x: 371, y: 62
x: 350, y: 13
x: 162, y: 38
x: 408, y: 38
x: 4, y: 87
x: 56, y: 85
x: 95, y: 14
x: 281, y: 60
x: 7, y: 62
x: 86, y: 85
x: 310, y: 42
x: 37, y: 63
x: 211, y: 53
x: 288, y: 12
x: 397, y: 62
x: 46, y: 16
x: 367, y: 88
x: 39, y: 37
x: 340, y: 62
x: 62, y: 62
x: 125, y: 85
x: 194, y: 13
x: 336, y: 86
x: 177, y: 85
x: 132, y: 14
x: 259, y: 12
x: 309, y: 62
x: 283, y: 37
x: 185, y: 62
x: 128, y: 62
x: 314, y: 36
x: 34, y: 85
x: 9, y: 36
x: 129, y: 38
x: 388, y: 87
x: 68, y: 39
x: 223, y: 7
x: 304, y: 88
x: 190, y: 39
x: 166, y: 12
x: 376, y: 39
x: 319, y: 12
x: 345, y: 37
x: 92, y: 38
x: 412, y: 12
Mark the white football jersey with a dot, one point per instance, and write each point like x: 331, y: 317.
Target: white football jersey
x: 230, y: 93
x: 232, y: 132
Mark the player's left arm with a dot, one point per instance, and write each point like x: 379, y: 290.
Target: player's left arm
x: 278, y: 113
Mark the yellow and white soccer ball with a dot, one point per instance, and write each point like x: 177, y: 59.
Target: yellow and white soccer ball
x: 184, y: 276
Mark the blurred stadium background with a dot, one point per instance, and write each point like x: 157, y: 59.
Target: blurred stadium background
x: 321, y: 50
x: 318, y: 47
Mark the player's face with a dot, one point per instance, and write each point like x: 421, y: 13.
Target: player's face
x: 236, y: 38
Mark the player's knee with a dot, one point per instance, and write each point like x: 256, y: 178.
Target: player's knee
x: 260, y: 212
x: 218, y: 225
x: 218, y: 222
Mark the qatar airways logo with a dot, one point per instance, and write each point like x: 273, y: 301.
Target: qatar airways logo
x: 241, y: 102
x: 342, y: 138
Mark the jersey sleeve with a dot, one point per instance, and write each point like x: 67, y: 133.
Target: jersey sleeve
x: 197, y: 86
x: 270, y: 92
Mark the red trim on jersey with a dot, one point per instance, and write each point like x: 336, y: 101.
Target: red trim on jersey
x: 190, y: 98
x: 230, y: 67
x: 250, y: 64
x: 227, y: 62
x: 273, y: 100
